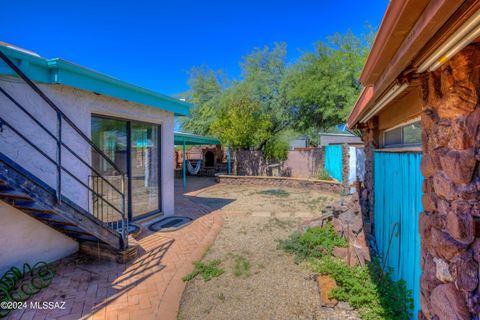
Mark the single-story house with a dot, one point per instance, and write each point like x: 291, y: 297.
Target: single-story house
x: 81, y: 155
x: 419, y: 113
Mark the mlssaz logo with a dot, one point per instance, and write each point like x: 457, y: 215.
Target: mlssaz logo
x: 47, y: 305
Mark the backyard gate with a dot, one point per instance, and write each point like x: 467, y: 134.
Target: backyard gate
x: 333, y: 161
x: 398, y: 204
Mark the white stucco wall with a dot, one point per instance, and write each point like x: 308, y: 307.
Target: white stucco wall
x: 352, y: 165
x: 25, y: 239
x: 78, y: 105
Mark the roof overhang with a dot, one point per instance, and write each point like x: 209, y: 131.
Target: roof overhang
x: 419, y: 37
x: 59, y: 71
x: 181, y: 138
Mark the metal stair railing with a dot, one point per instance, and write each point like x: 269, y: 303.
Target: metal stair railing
x: 117, y: 218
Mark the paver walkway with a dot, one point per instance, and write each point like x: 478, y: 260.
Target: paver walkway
x: 148, y: 288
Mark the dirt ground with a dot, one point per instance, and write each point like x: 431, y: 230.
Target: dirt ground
x: 270, y: 285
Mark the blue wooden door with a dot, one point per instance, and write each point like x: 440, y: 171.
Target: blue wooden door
x: 398, y: 205
x: 333, y: 161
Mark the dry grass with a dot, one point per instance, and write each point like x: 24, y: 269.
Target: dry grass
x: 260, y: 281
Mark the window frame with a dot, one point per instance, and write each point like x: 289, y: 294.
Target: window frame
x: 402, y: 144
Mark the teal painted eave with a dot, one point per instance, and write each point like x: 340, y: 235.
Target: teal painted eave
x: 192, y: 139
x: 59, y: 71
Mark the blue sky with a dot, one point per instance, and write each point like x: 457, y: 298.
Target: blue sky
x: 154, y: 43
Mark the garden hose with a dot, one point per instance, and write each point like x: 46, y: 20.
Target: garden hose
x: 18, y: 286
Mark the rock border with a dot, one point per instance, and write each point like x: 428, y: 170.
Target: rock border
x: 304, y: 183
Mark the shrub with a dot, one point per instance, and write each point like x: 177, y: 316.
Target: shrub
x: 323, y: 175
x: 207, y: 270
x: 316, y: 242
x: 368, y: 289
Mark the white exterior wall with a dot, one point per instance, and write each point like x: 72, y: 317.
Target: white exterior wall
x: 352, y: 165
x: 78, y: 105
x: 25, y: 239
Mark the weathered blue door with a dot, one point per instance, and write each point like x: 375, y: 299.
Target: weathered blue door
x: 333, y: 161
x: 398, y: 205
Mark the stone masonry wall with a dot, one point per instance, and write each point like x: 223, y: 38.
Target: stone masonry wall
x: 370, y: 140
x: 449, y: 226
x: 304, y: 183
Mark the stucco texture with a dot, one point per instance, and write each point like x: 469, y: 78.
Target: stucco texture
x: 79, y: 106
x: 26, y: 240
x: 23, y: 238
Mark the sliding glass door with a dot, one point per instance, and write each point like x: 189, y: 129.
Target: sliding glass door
x: 145, y: 163
x: 135, y: 148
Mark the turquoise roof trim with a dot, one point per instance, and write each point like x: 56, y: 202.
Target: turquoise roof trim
x: 193, y: 139
x: 58, y: 71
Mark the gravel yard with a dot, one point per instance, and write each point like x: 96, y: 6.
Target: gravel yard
x: 260, y: 281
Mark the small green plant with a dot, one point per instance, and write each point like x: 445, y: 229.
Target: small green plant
x: 208, y: 270
x: 241, y: 266
x: 316, y: 242
x: 368, y: 289
x: 275, y: 192
x: 323, y: 175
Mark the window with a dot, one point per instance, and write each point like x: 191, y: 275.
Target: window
x: 405, y: 135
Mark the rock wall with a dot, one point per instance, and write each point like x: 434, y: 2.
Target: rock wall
x: 450, y: 246
x: 370, y: 140
x: 312, y: 184
x: 346, y: 217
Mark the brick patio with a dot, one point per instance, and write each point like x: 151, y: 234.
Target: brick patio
x: 148, y: 288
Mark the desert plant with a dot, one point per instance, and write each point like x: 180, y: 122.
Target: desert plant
x: 315, y: 242
x: 368, y: 288
x: 207, y: 270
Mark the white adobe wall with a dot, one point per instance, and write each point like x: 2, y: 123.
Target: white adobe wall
x: 25, y: 239
x: 78, y: 105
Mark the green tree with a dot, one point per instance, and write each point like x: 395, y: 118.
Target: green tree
x: 240, y: 122
x: 323, y: 86
x: 206, y: 87
x: 253, y: 111
x: 273, y: 100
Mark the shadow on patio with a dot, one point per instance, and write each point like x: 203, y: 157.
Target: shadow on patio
x: 93, y: 289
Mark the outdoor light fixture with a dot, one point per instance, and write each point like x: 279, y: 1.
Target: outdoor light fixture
x: 385, y: 100
x: 468, y: 32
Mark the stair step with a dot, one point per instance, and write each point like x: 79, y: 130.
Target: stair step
x: 32, y: 207
x: 81, y: 237
x: 15, y: 195
x: 48, y: 218
x: 71, y: 229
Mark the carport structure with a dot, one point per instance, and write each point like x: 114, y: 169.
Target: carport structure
x: 189, y: 139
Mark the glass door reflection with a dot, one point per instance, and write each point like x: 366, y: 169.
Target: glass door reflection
x: 111, y: 137
x: 145, y: 162
x: 135, y: 148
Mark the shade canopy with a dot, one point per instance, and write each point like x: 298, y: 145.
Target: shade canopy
x: 182, y: 138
